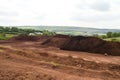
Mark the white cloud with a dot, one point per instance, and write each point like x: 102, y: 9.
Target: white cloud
x: 89, y: 13
x: 101, y: 6
x: 8, y: 13
x: 96, y: 17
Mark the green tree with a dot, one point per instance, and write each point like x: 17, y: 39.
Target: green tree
x: 1, y: 29
x: 109, y: 34
x: 6, y: 29
x: 27, y: 31
x: 103, y: 36
x: 115, y: 34
x: 95, y: 35
x: 46, y: 32
x: 14, y: 29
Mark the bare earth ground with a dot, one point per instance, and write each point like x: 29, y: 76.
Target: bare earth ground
x: 32, y: 61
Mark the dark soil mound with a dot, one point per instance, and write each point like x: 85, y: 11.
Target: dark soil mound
x: 80, y: 43
x: 91, y: 44
x: 56, y: 41
x: 61, y: 36
x: 112, y: 48
x: 86, y: 44
x: 26, y: 38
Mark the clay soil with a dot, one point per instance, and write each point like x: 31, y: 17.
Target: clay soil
x: 31, y: 60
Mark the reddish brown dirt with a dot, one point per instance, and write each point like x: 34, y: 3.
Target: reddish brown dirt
x: 56, y: 41
x: 28, y: 60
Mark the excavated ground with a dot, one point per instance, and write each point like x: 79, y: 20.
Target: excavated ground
x: 29, y: 60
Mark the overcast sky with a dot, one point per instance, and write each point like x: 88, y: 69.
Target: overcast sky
x: 81, y: 13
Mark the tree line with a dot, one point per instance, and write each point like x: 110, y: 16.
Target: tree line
x: 113, y: 34
x: 16, y: 30
x: 108, y: 35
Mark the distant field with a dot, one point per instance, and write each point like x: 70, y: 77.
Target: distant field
x: 72, y: 30
x: 6, y: 36
x: 117, y: 39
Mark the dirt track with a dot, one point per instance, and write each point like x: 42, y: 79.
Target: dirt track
x: 32, y: 61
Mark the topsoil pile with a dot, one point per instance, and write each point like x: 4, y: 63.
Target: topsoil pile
x: 56, y: 41
x: 25, y: 38
x: 86, y: 44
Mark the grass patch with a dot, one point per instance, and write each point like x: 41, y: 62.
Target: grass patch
x: 115, y: 39
x: 6, y: 36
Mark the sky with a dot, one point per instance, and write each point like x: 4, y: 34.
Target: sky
x: 79, y: 13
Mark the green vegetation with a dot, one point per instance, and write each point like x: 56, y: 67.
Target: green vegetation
x: 15, y: 30
x: 9, y: 32
x: 46, y: 32
x: 110, y: 36
x: 4, y: 36
x: 114, y: 39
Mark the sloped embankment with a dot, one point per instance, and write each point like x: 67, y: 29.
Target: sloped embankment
x: 56, y: 41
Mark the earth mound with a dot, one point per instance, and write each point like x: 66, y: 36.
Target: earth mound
x: 92, y: 44
x: 112, y: 48
x: 82, y: 43
x: 24, y: 37
x: 56, y: 41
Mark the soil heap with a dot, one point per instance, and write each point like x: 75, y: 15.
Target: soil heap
x: 56, y: 41
x: 24, y: 37
x: 82, y: 43
x: 92, y: 44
